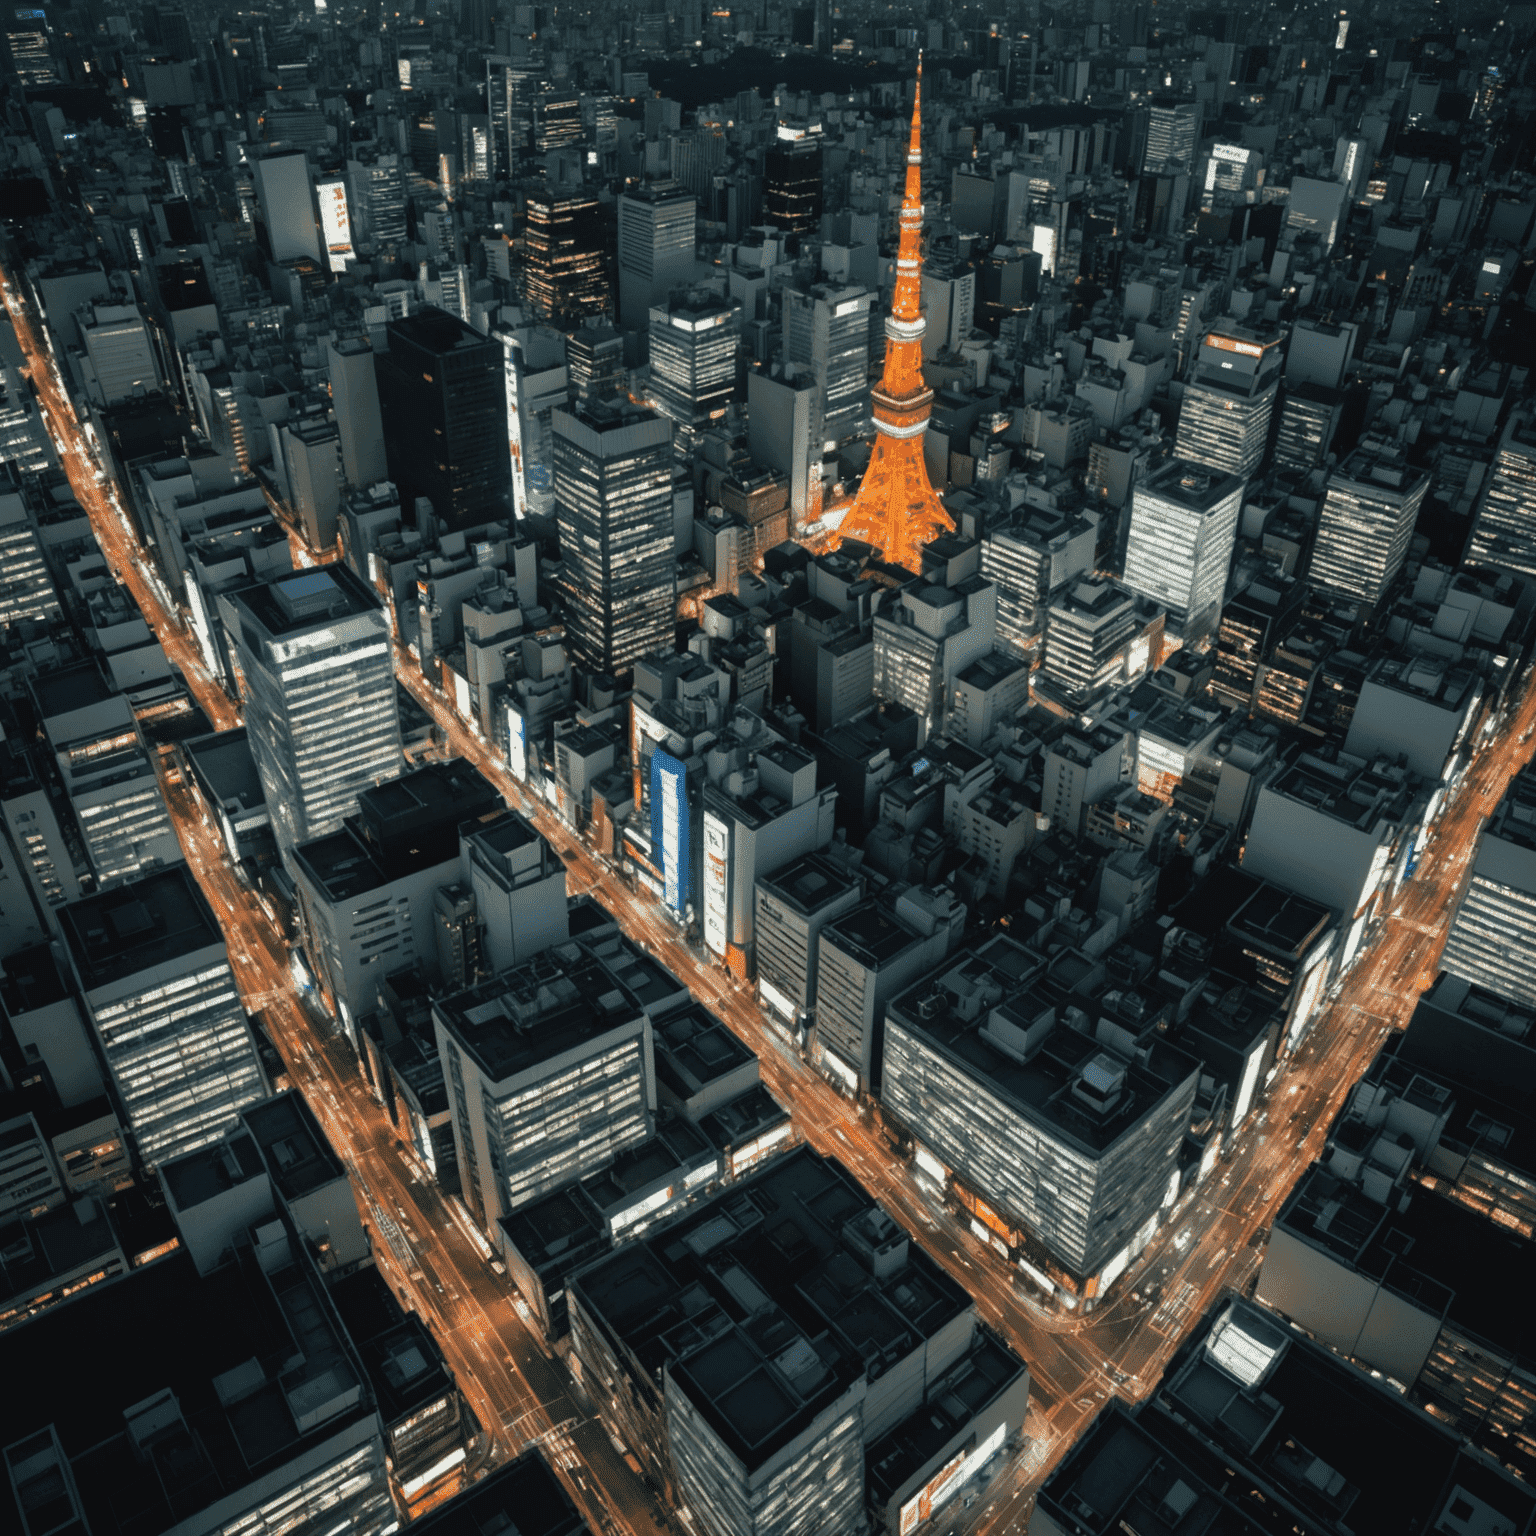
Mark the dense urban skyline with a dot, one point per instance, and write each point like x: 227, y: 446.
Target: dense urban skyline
x: 767, y: 770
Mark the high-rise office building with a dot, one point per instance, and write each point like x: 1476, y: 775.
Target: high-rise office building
x: 550, y: 1076
x: 693, y: 362
x: 1504, y: 535
x: 565, y: 262
x: 697, y: 1345
x: 443, y: 405
x: 556, y: 117
x: 355, y: 400
x: 1492, y: 939
x: 792, y: 196
x: 510, y: 87
x: 1073, y: 1151
x: 827, y: 328
x: 1173, y: 135
x: 376, y: 200
x: 28, y: 46
x: 1309, y: 417
x: 155, y: 978
x: 594, y: 363
x: 366, y: 891
x: 1094, y: 637
x: 319, y: 696
x: 285, y: 191
x: 1225, y: 415
x: 793, y: 905
x: 106, y: 770
x: 1030, y: 554
x: 613, y: 505
x: 656, y: 245
x: 1179, y: 551
x: 1367, y: 522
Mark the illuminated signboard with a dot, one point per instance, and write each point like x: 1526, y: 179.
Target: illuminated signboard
x: 517, y: 743
x: 1042, y: 241
x: 717, y: 852
x: 949, y: 1480
x: 669, y: 826
x: 1232, y: 344
x: 1491, y: 266
x: 335, y: 222
x: 515, y: 430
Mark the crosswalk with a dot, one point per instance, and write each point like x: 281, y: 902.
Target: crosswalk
x: 1173, y: 1311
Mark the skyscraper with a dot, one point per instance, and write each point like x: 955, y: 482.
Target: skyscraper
x: 550, y: 1075
x: 1173, y: 134
x: 1492, y: 939
x: 1367, y: 522
x: 355, y: 399
x: 319, y: 696
x: 510, y: 85
x: 1504, y: 535
x: 442, y: 400
x: 154, y: 974
x: 594, y: 363
x: 565, y: 277
x: 792, y: 196
x: 1308, y: 420
x: 827, y: 328
x: 693, y: 362
x: 1183, y: 527
x: 1225, y: 415
x: 284, y: 189
x: 656, y: 243
x: 898, y: 510
x: 613, y: 505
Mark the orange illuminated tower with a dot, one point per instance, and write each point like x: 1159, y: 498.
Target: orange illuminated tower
x: 897, y: 509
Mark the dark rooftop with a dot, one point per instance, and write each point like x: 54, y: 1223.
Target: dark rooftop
x: 202, y: 1174
x: 694, y: 1048
x: 224, y: 764
x: 152, y: 921
x: 807, y: 884
x: 870, y: 934
x: 953, y: 1012
x: 404, y: 1365
x: 298, y: 1156
x: 67, y: 689
x: 561, y: 1000
x: 758, y: 1306
x: 222, y: 1346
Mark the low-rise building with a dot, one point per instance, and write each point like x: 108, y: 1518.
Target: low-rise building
x: 754, y: 1350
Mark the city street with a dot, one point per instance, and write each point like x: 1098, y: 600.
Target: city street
x: 1076, y: 1363
x: 424, y: 1244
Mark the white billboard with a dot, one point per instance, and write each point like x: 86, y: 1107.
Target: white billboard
x: 717, y: 853
x: 335, y: 223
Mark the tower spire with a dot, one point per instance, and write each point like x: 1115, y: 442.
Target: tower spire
x: 897, y: 509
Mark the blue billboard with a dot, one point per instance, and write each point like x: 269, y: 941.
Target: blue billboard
x: 669, y: 826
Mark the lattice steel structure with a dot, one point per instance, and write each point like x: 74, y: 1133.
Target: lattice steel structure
x: 897, y: 509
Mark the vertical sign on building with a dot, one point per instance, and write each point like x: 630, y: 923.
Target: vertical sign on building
x: 335, y: 223
x: 669, y: 827
x: 517, y: 743
x: 515, y: 427
x: 717, y: 849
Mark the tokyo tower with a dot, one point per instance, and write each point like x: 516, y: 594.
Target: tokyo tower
x: 897, y: 509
